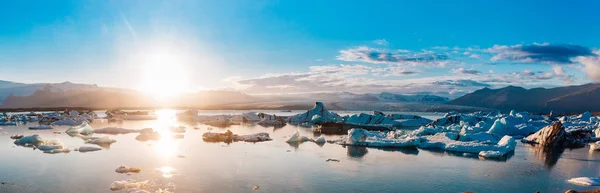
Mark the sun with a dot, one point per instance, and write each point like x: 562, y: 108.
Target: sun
x: 164, y: 73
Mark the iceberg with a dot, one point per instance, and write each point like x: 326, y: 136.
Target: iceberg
x: 321, y: 140
x: 550, y: 136
x: 229, y: 137
x: 115, y: 131
x: 124, y: 169
x: 33, y: 140
x: 41, y: 127
x: 585, y: 181
x: 83, y: 129
x: 319, y: 110
x: 69, y: 122
x: 148, y: 134
x: 128, y: 184
x: 297, y: 138
x: 101, y: 141
x: 137, y: 190
x: 490, y: 154
x: 361, y: 137
x: 55, y: 151
x: 506, y: 126
x: 595, y: 146
x: 84, y: 149
x: 52, y: 144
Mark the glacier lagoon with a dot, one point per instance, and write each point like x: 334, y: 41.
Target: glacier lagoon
x: 188, y: 164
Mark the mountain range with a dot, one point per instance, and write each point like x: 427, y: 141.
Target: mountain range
x: 560, y: 99
x: 50, y: 95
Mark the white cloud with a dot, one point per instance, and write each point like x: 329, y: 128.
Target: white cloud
x: 591, y: 65
x: 382, y: 42
x: 465, y: 71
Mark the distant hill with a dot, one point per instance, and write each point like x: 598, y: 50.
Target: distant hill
x: 561, y: 99
x: 8, y: 88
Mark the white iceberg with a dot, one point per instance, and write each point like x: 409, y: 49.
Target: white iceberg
x: 101, y: 141
x: 297, y: 138
x: 228, y: 137
x: 585, y: 181
x: 84, y: 149
x: 115, y: 131
x: 55, y: 151
x: 41, y: 127
x: 320, y: 110
x: 321, y: 140
x: 124, y: 169
x: 128, y: 184
x: 361, y: 137
x: 491, y: 154
x: 83, y: 129
x: 34, y: 140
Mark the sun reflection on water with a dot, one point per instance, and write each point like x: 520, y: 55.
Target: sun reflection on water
x: 166, y: 171
x: 166, y: 147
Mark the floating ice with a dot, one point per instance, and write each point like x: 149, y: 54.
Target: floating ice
x: 585, y: 181
x: 55, y: 151
x: 52, y: 144
x: 319, y: 110
x: 34, y: 140
x: 101, y: 141
x: 124, y: 169
x: 16, y: 136
x: 490, y: 154
x: 115, y: 131
x: 297, y: 138
x: 321, y: 140
x: 230, y: 137
x: 128, y: 184
x: 83, y: 129
x: 41, y: 127
x: 84, y: 149
x: 595, y: 146
x: 148, y: 134
x: 361, y: 137
x: 69, y: 122
x: 137, y: 190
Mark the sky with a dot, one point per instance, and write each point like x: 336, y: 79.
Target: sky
x: 277, y: 47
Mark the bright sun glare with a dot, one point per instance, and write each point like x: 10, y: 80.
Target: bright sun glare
x: 164, y: 73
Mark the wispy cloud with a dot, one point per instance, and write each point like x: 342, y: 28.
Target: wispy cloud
x: 375, y: 55
x: 539, y: 53
x: 465, y: 71
x: 382, y: 42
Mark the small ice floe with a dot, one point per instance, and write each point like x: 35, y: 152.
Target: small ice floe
x: 83, y: 129
x: 297, y: 138
x: 321, y: 140
x: 33, y: 140
x: 361, y: 137
x: 69, y: 122
x: 147, y: 135
x: 228, y: 136
x: 490, y: 154
x: 49, y: 145
x: 332, y: 160
x: 256, y: 188
x: 124, y: 169
x: 41, y: 127
x: 585, y: 181
x: 101, y: 141
x: 115, y: 131
x: 84, y: 149
x: 595, y: 146
x: 128, y: 184
x: 55, y: 151
x: 16, y: 136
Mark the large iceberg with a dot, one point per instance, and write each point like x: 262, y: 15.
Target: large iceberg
x: 82, y: 129
x: 319, y: 110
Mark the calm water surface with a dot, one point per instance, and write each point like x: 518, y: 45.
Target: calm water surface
x: 191, y: 165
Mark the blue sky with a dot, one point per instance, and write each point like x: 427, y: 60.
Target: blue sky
x: 445, y: 47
